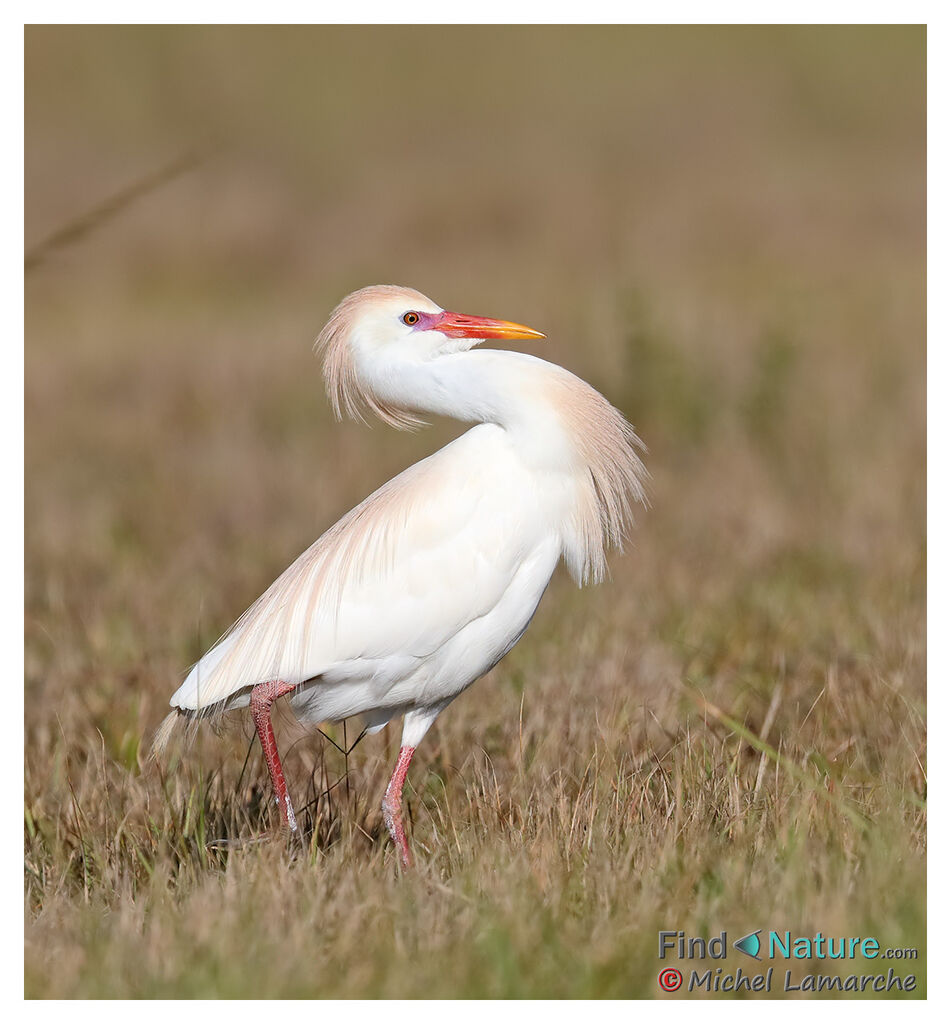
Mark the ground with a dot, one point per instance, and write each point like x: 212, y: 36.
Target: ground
x: 724, y: 231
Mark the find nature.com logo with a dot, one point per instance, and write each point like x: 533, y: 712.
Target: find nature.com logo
x: 777, y: 945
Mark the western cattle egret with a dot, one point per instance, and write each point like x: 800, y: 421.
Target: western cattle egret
x: 422, y: 588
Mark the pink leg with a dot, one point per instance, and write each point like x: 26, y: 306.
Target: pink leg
x: 392, y: 806
x: 262, y: 697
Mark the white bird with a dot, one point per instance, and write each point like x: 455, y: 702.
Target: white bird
x: 428, y: 583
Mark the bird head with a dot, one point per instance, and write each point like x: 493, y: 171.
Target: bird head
x: 384, y: 328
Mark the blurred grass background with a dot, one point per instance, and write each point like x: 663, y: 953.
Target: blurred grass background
x: 723, y: 229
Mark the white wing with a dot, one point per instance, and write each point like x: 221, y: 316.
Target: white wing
x: 428, y: 554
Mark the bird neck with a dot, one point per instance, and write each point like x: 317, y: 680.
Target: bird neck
x: 561, y: 428
x: 508, y: 389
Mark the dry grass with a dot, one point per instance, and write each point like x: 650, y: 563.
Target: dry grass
x: 721, y: 229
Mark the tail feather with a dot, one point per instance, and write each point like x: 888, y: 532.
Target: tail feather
x: 164, y: 732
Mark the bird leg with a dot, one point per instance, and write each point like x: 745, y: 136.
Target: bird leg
x: 392, y: 806
x: 262, y: 697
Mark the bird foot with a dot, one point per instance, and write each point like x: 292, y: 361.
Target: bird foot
x: 238, y: 842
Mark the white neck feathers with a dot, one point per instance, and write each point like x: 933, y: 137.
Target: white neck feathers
x: 557, y: 421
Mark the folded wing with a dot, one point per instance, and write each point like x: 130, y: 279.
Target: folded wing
x: 428, y: 553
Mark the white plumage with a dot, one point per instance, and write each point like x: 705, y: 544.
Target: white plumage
x: 422, y: 588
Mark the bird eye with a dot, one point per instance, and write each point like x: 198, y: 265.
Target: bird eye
x: 410, y: 318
